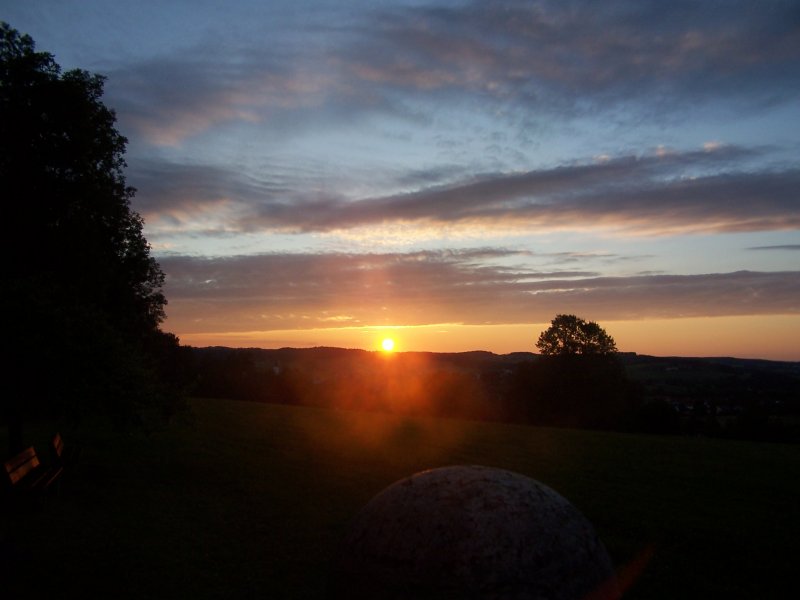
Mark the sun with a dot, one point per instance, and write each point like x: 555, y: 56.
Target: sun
x: 387, y: 344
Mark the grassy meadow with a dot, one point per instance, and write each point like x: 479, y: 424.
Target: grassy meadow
x: 246, y: 500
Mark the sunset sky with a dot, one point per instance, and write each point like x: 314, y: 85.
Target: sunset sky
x: 455, y: 173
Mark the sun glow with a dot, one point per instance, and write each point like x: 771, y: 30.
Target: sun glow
x: 765, y: 336
x: 387, y: 344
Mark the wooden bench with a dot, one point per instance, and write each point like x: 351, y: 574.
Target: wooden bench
x: 60, y: 456
x: 25, y: 473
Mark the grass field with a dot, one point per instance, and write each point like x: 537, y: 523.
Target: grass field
x: 249, y: 500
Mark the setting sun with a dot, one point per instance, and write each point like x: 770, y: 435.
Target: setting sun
x: 387, y: 344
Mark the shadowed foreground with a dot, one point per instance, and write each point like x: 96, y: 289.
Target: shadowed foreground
x: 251, y: 500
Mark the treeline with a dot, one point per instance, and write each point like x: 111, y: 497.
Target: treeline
x: 82, y: 303
x: 616, y: 392
x: 413, y: 383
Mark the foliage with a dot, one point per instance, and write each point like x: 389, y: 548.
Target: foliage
x: 577, y: 391
x: 574, y: 391
x: 576, y: 382
x: 83, y: 300
x: 569, y: 334
x: 658, y: 416
x: 405, y: 383
x: 754, y: 399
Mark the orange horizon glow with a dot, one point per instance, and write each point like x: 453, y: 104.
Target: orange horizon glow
x: 771, y: 337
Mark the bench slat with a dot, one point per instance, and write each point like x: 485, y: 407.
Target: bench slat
x: 61, y: 455
x: 21, y: 465
x: 26, y: 473
x: 47, y: 478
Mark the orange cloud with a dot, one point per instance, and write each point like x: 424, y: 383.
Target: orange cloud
x: 293, y: 291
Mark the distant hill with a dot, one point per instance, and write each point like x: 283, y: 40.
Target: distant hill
x: 714, y: 396
x: 323, y: 354
x: 631, y: 359
x: 723, y: 383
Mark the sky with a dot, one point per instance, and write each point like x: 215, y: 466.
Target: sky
x: 455, y: 173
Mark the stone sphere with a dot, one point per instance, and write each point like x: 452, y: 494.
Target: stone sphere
x: 472, y: 532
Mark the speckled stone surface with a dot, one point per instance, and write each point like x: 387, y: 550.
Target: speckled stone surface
x: 472, y: 532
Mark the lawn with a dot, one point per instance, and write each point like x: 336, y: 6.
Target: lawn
x: 248, y: 500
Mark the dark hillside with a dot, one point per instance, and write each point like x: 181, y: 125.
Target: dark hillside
x: 755, y: 399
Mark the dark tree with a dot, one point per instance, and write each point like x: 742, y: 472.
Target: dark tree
x: 577, y: 382
x: 591, y: 391
x: 82, y: 299
x: 568, y: 335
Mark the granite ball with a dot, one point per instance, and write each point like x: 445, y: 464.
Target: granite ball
x: 472, y: 532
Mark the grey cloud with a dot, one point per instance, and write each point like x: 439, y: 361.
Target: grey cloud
x: 651, y: 193
x: 561, y: 54
x: 163, y: 187
x: 789, y: 247
x: 432, y: 176
x: 710, y: 190
x: 557, y: 57
x: 170, y: 98
x: 285, y: 291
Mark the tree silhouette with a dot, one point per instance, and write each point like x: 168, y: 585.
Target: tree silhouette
x: 578, y: 381
x: 568, y: 335
x: 572, y: 390
x: 83, y: 299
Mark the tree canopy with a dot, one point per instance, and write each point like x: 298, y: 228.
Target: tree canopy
x: 83, y: 296
x: 578, y: 381
x: 571, y: 335
x: 61, y: 164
